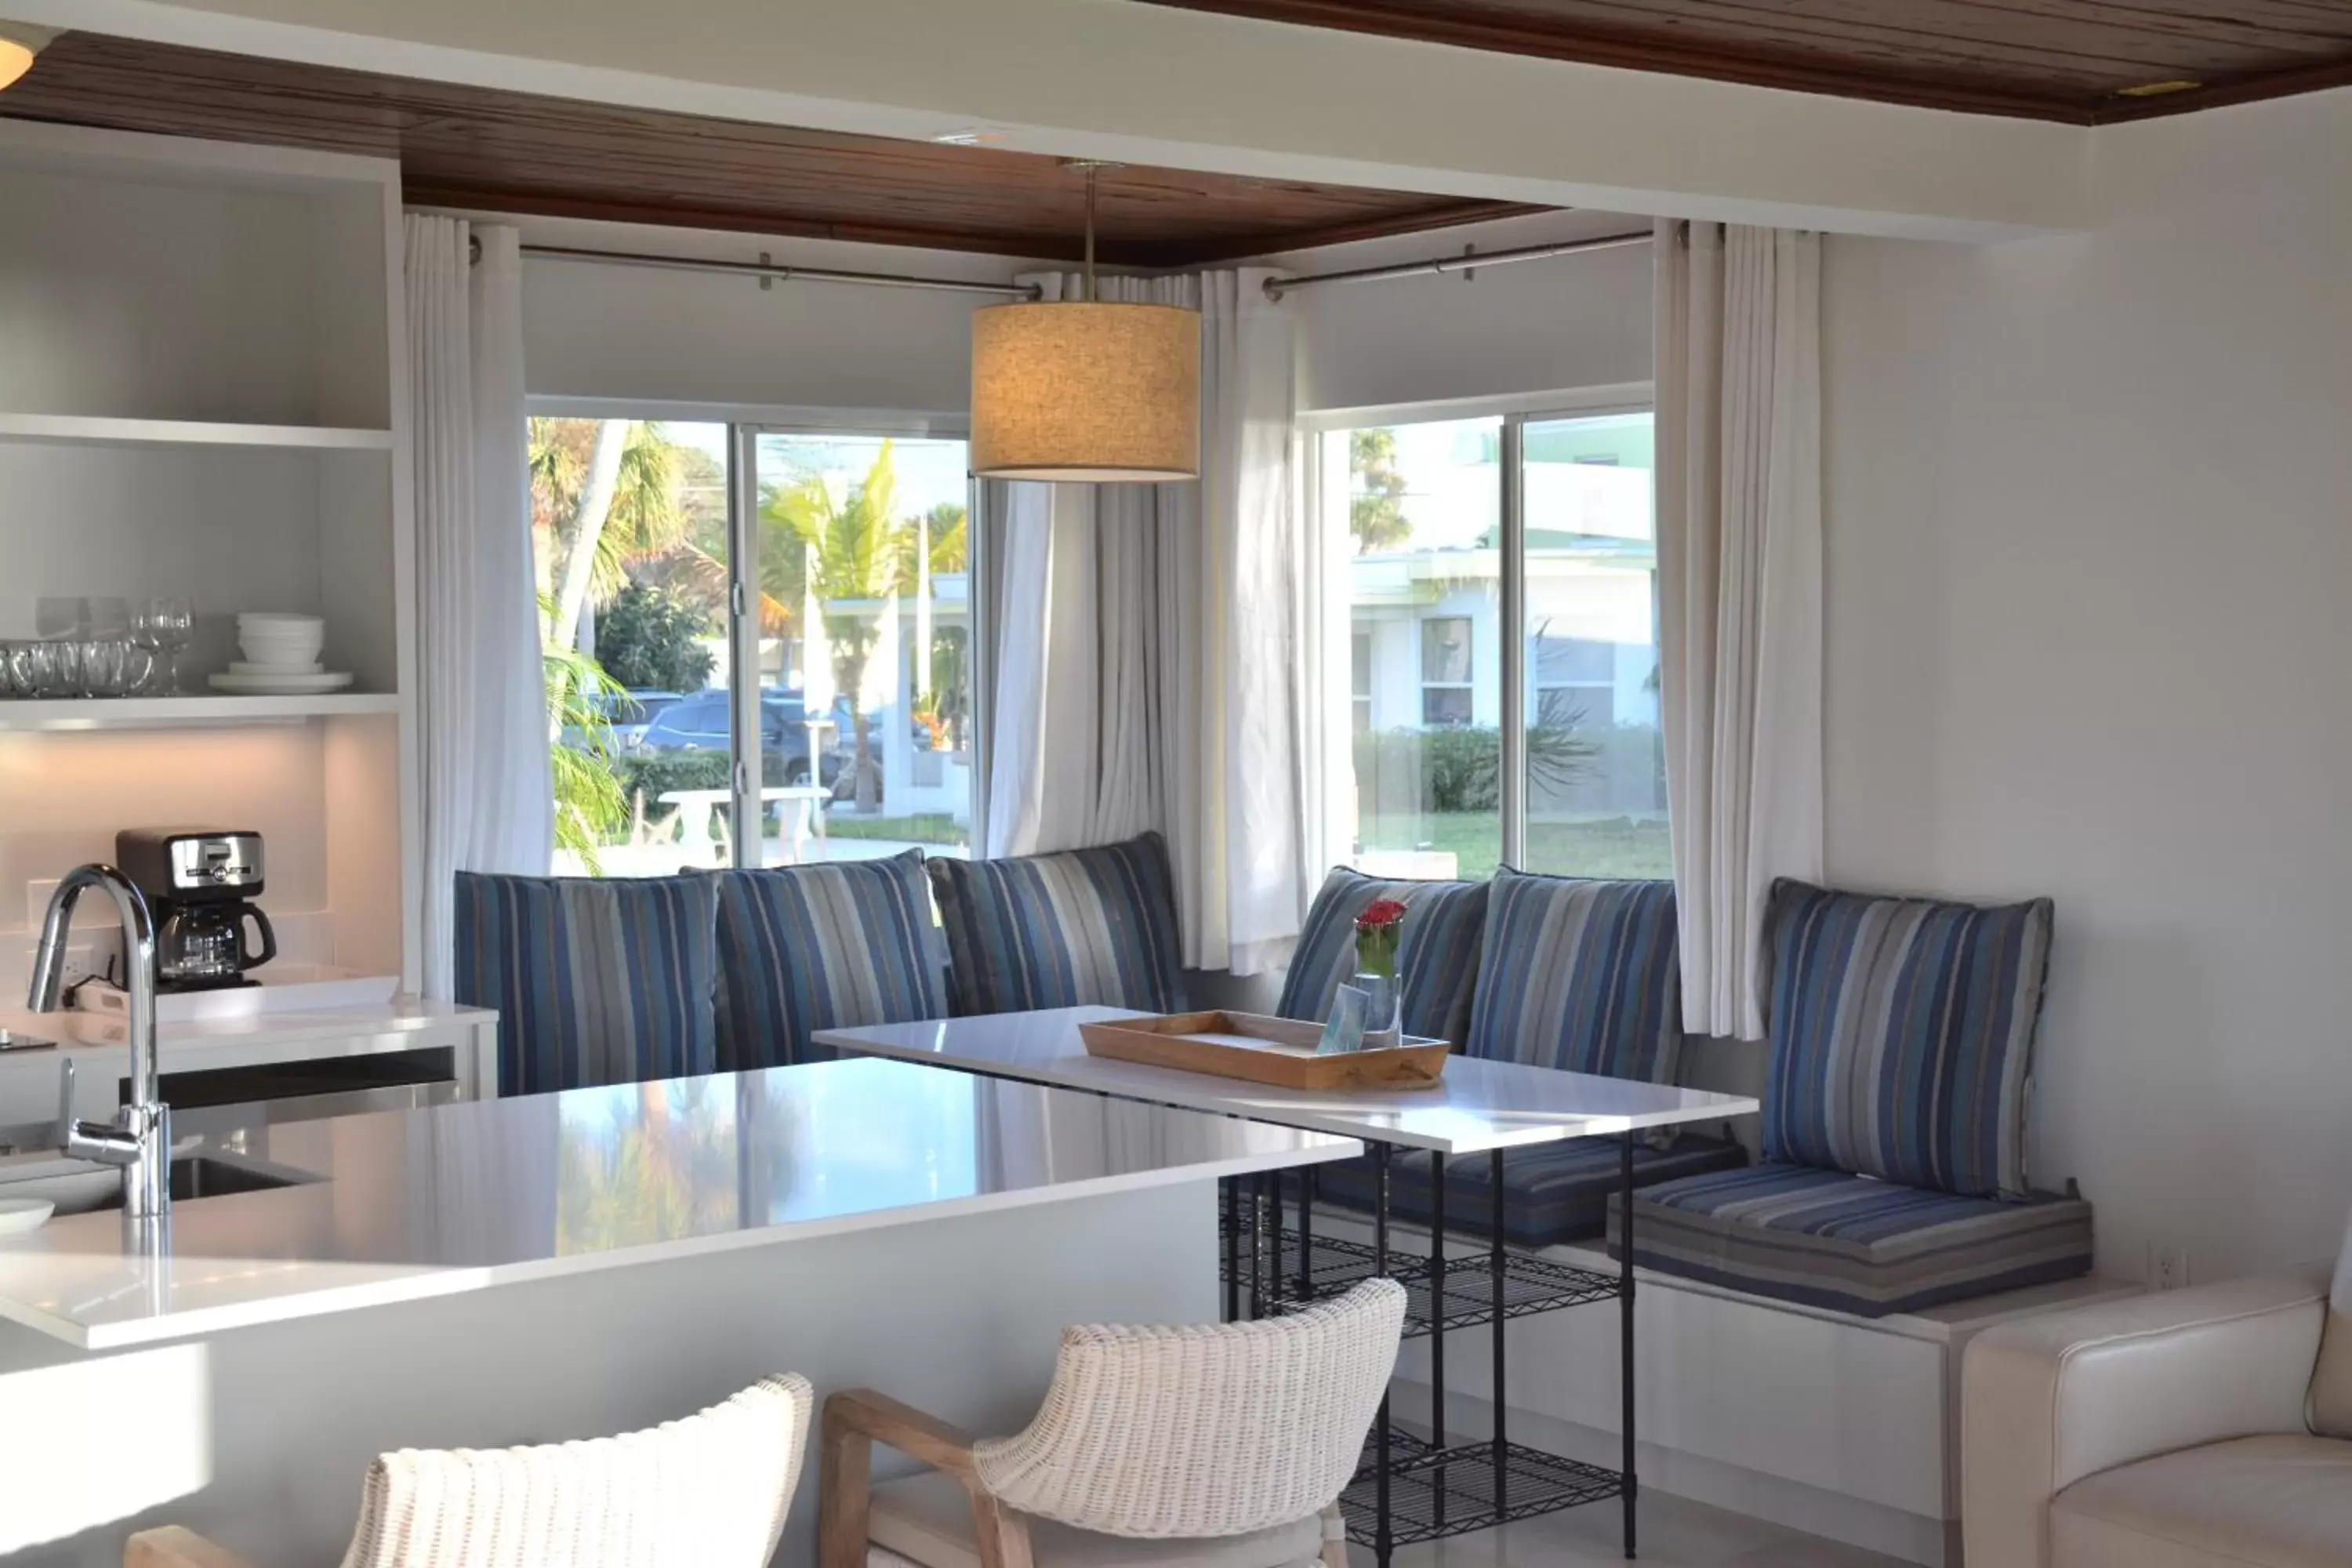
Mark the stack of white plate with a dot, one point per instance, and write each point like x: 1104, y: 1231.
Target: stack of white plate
x: 281, y: 658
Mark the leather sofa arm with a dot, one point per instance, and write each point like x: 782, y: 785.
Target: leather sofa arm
x: 2049, y: 1400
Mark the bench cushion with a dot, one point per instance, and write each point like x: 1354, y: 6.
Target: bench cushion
x: 596, y: 981
x: 1853, y: 1244
x: 804, y: 948
x: 1437, y: 952
x: 1902, y: 1033
x: 1064, y: 930
x: 1580, y: 974
x: 1552, y: 1193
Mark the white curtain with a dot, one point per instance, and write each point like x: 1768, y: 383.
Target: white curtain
x: 482, y: 735
x: 1737, y: 345
x: 1148, y: 669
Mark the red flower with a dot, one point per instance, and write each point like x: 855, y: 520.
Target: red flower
x: 1379, y: 914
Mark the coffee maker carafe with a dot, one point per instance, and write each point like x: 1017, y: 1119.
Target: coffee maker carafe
x: 199, y: 884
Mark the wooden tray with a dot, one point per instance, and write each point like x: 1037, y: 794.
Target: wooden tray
x: 1278, y: 1051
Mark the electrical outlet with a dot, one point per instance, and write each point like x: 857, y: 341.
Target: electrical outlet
x: 2167, y: 1265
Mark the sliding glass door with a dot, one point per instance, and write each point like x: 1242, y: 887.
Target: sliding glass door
x: 1499, y: 596
x: 752, y: 626
x: 865, y: 640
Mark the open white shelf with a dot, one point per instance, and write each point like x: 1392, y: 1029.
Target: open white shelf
x: 166, y: 712
x: 105, y: 430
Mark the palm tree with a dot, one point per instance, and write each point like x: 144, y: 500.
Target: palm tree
x: 844, y: 544
x: 606, y: 493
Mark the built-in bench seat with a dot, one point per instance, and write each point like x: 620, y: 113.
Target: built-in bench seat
x: 1849, y: 1243
x: 1552, y: 1193
x: 1556, y: 972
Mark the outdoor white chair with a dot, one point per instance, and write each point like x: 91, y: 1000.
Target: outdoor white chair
x: 1222, y: 1447
x: 709, y: 1491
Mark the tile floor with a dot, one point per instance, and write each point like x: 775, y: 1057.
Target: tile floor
x: 1675, y: 1533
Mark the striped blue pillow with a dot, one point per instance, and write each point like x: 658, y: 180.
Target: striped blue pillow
x: 1438, y: 953
x: 595, y: 982
x: 1902, y: 1036
x: 1065, y: 929
x: 1581, y: 974
x: 804, y: 948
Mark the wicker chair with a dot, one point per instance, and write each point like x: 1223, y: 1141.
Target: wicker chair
x: 1212, y: 1447
x: 707, y: 1491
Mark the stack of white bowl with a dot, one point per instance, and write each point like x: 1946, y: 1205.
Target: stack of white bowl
x: 282, y: 657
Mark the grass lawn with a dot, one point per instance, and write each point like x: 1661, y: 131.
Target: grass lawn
x: 1596, y: 847
x: 923, y: 827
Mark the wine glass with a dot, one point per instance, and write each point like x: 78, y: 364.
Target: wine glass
x: 165, y: 626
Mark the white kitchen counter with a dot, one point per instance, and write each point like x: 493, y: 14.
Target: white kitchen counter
x: 403, y: 1206
x: 100, y: 1048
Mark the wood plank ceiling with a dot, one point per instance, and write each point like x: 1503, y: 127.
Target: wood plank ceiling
x: 517, y: 153
x: 2079, y: 61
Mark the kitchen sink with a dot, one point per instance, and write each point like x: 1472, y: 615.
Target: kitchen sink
x: 83, y: 1188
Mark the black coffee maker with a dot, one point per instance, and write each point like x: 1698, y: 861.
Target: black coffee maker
x: 199, y: 883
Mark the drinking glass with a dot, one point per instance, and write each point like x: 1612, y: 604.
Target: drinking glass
x: 169, y: 624
x: 115, y: 667
x: 59, y: 666
x: 61, y: 616
x: 106, y: 617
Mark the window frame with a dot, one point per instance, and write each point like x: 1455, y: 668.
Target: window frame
x: 746, y: 423
x: 1516, y: 412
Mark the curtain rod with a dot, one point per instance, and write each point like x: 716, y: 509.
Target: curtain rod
x: 1276, y: 288
x: 767, y: 271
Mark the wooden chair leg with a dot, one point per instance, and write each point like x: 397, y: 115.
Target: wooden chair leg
x: 170, y: 1546
x: 844, y: 1494
x: 1003, y: 1535
x: 1335, y: 1538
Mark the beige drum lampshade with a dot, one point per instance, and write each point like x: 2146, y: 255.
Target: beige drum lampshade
x: 1086, y: 391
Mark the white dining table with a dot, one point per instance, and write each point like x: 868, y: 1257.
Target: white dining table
x: 1478, y: 1107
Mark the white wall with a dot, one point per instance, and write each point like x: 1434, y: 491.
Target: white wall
x: 1532, y: 326
x: 2090, y: 635
x: 603, y: 331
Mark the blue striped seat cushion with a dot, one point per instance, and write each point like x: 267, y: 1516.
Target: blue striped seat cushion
x: 1437, y: 952
x: 1552, y: 1193
x: 595, y: 981
x: 1902, y: 1036
x: 804, y: 948
x: 1065, y: 929
x: 1580, y: 974
x: 1795, y: 1233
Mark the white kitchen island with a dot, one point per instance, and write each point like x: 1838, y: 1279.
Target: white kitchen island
x: 564, y: 1266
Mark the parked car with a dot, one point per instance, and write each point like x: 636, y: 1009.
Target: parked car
x: 623, y: 718
x: 704, y: 722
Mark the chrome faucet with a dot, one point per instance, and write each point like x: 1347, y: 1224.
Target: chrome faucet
x: 139, y: 1137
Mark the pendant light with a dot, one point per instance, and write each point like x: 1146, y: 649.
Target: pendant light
x: 1085, y: 390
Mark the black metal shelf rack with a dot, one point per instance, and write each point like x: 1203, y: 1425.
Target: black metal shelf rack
x: 1412, y: 1487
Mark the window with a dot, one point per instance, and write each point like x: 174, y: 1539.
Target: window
x: 1421, y: 507
x: 769, y: 626
x: 1596, y: 784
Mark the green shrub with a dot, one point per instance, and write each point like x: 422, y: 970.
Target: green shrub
x: 658, y: 773
x: 649, y: 639
x: 1459, y: 770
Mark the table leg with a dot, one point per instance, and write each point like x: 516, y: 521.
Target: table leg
x: 1253, y: 1194
x: 1230, y: 1189
x: 1307, y: 1233
x: 1437, y: 1327
x: 1625, y: 1335
x: 1382, y: 1547
x: 1496, y: 1262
